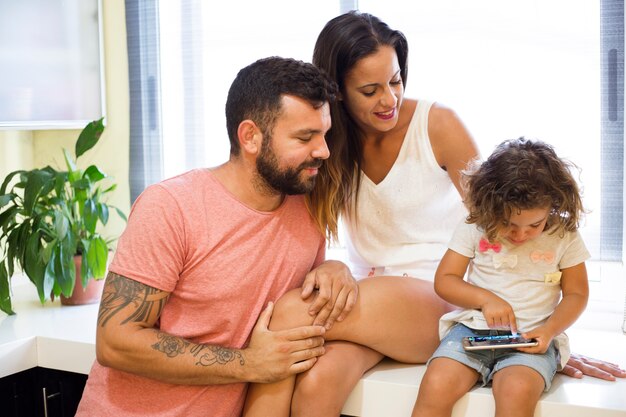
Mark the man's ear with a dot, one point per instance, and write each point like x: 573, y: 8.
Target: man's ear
x: 250, y: 137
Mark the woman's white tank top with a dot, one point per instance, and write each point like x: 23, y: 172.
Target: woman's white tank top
x: 404, y: 222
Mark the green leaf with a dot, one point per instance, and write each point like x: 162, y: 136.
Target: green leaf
x: 73, y: 172
x: 94, y: 174
x: 59, y: 182
x: 8, y: 178
x: 90, y: 216
x: 5, y: 291
x: 82, y: 184
x: 8, y: 217
x: 64, y: 269
x: 34, y: 265
x: 89, y: 136
x: 121, y: 214
x: 6, y: 199
x: 97, y: 257
x: 13, y: 249
x: 61, y: 225
x: 19, y: 239
x: 39, y: 183
x: 49, y: 279
x: 103, y: 213
x: 85, y: 271
x: 46, y: 253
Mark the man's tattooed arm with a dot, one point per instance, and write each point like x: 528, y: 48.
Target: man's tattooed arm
x: 206, y: 355
x: 121, y: 292
x: 127, y: 301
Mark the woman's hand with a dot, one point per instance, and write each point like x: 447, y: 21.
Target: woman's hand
x: 335, y: 291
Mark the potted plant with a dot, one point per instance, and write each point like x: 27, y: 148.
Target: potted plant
x: 48, y: 217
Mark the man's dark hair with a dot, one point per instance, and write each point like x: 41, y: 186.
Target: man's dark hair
x: 257, y: 91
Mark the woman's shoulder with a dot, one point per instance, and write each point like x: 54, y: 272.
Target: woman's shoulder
x: 451, y: 141
x: 407, y: 112
x: 441, y: 117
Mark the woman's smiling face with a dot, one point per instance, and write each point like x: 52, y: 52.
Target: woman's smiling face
x: 373, y: 91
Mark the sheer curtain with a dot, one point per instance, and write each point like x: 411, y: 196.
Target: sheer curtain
x: 511, y: 69
x: 203, y: 46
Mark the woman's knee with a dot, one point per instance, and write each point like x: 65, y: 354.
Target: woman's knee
x: 290, y: 311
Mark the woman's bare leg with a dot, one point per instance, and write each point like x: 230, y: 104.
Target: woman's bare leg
x: 395, y: 316
x: 269, y: 399
x: 322, y: 390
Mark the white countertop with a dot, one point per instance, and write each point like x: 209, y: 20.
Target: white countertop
x: 49, y: 335
x: 63, y: 337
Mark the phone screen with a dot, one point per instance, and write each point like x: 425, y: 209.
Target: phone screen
x: 496, y: 342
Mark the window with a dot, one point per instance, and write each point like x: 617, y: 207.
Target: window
x: 218, y: 40
x: 513, y: 69
x: 545, y: 69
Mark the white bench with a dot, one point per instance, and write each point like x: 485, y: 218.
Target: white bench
x: 390, y: 388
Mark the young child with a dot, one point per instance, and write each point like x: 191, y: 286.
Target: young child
x: 525, y: 264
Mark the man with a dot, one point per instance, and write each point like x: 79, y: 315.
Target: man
x: 205, y: 254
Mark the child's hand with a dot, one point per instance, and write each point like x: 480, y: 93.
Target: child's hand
x: 498, y: 313
x: 543, y: 335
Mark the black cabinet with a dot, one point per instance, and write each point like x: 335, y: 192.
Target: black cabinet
x: 41, y: 392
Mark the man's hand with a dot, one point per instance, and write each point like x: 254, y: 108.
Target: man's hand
x: 579, y: 365
x: 273, y: 356
x: 336, y: 295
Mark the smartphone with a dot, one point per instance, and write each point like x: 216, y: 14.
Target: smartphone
x: 496, y: 342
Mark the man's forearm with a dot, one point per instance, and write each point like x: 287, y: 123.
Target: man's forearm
x: 172, y: 359
x: 128, y: 340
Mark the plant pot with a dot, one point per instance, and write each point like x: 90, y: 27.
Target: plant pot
x: 81, y: 296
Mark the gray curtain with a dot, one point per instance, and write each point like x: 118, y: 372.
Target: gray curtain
x: 612, y: 129
x: 146, y: 155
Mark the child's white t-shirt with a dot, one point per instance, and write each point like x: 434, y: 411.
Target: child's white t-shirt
x: 528, y: 276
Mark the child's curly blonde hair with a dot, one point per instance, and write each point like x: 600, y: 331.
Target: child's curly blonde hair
x: 522, y: 174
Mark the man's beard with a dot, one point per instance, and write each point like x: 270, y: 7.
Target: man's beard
x: 285, y: 181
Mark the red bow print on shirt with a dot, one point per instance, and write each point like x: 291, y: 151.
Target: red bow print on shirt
x: 484, y: 246
x: 538, y: 256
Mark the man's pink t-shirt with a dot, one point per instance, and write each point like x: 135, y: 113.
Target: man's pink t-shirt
x: 222, y: 262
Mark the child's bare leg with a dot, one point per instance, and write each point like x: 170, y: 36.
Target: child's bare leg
x: 517, y: 390
x: 322, y: 390
x: 443, y: 384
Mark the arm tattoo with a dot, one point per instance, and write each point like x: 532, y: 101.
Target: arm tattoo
x: 121, y: 292
x: 209, y: 355
x: 170, y: 345
x: 147, y: 300
x: 205, y: 355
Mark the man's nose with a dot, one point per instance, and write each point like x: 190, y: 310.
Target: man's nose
x: 321, y: 149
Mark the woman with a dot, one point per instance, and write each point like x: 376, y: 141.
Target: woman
x: 393, y: 175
